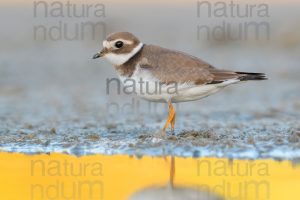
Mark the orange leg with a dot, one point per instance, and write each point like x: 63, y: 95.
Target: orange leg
x: 171, y: 119
x: 173, y: 124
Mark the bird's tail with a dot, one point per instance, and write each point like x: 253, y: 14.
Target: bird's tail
x: 246, y: 76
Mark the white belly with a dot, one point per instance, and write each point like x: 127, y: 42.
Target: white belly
x: 148, y: 87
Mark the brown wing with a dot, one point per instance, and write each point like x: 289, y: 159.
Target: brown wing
x: 172, y: 66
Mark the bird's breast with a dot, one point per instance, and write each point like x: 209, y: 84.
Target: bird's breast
x: 143, y: 83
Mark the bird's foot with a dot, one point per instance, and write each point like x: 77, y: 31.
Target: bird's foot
x: 163, y: 134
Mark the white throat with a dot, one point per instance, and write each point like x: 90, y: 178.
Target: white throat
x: 119, y: 59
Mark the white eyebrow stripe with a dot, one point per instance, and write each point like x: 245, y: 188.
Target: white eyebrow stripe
x: 110, y: 44
x: 125, y: 41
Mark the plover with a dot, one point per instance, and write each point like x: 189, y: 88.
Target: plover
x: 169, y: 76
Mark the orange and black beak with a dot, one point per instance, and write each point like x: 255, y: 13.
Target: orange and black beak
x: 100, y: 54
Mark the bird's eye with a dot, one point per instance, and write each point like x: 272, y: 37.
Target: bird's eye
x: 119, y: 44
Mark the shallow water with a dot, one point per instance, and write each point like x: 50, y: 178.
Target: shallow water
x: 59, y: 176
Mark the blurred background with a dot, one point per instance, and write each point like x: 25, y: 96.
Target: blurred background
x: 50, y: 84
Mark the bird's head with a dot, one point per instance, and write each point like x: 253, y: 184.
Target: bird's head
x: 119, y: 47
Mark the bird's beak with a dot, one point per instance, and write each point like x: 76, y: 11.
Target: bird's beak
x: 97, y: 55
x: 100, y: 54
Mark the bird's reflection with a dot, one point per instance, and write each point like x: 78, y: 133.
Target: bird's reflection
x: 172, y: 192
x: 172, y: 171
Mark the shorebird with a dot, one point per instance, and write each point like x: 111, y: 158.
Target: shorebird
x: 169, y: 76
